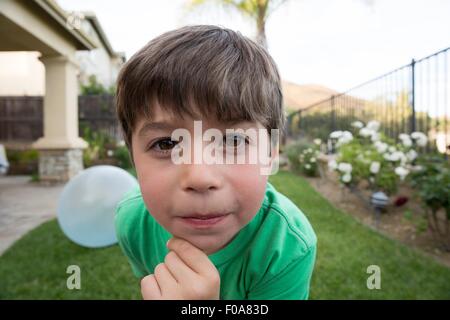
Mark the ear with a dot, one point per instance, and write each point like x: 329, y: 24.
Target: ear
x: 274, y: 152
x: 274, y: 157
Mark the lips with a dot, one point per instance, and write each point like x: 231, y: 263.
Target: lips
x: 205, y: 216
x: 204, y: 220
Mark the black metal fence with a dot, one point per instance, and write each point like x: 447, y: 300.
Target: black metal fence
x: 414, y: 97
x: 21, y: 117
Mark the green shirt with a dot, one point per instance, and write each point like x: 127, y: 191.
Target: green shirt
x: 272, y: 257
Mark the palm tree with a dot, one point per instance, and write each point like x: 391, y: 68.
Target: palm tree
x: 257, y: 10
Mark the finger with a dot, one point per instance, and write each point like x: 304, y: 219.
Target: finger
x: 149, y: 288
x: 193, y: 257
x: 166, y: 281
x: 177, y: 267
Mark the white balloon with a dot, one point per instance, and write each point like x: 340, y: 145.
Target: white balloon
x: 86, y: 207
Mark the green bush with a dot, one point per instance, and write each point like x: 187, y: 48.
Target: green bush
x: 22, y: 161
x: 122, y: 156
x: 99, y: 144
x: 432, y: 182
x: 93, y: 87
x: 360, y: 155
x: 300, y: 155
x: 369, y: 155
x: 309, y: 161
x: 22, y: 156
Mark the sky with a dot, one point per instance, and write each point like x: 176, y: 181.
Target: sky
x: 335, y: 43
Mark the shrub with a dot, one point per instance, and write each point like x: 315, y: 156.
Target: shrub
x: 93, y: 87
x: 22, y: 161
x: 122, y: 156
x: 368, y: 155
x: 432, y: 182
x: 293, y: 152
x: 99, y: 145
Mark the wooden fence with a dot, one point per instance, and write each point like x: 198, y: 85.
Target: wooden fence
x: 21, y: 117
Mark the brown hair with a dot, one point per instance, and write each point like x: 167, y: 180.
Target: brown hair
x: 208, y: 68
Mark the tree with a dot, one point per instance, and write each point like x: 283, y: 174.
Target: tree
x: 257, y: 10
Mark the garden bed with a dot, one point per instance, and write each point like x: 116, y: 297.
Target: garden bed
x: 404, y: 223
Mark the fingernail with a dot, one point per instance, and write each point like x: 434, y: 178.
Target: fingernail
x: 167, y: 243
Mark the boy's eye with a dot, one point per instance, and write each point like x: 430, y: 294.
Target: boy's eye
x: 164, y: 144
x: 235, y: 140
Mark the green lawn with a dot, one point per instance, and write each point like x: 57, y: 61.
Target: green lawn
x: 35, y: 267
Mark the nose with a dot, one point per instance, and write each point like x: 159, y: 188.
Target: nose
x: 200, y: 178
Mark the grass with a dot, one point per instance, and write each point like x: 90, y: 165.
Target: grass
x: 35, y: 266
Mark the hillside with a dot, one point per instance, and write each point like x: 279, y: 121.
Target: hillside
x: 298, y: 97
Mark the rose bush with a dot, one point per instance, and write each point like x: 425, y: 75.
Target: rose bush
x: 366, y: 154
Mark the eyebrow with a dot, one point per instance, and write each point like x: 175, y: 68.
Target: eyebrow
x: 156, y: 126
x: 167, y: 126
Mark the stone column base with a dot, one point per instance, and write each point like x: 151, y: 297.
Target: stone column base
x: 59, y: 165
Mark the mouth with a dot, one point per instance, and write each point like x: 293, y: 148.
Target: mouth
x: 204, y: 220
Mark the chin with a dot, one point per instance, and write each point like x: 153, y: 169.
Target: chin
x: 209, y: 244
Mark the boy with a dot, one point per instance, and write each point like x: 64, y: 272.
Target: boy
x: 232, y: 235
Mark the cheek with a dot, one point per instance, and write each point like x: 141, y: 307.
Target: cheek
x: 249, y: 186
x: 155, y: 181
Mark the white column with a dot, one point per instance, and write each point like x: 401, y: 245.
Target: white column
x: 60, y: 105
x: 60, y: 147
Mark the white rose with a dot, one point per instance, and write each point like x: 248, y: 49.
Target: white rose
x: 357, y: 124
x: 422, y: 142
x: 407, y: 142
x: 417, y: 135
x: 345, y: 167
x: 381, y: 146
x: 312, y: 160
x: 375, y: 137
x: 401, y: 172
x: 420, y: 137
x: 335, y: 134
x: 373, y: 125
x: 307, y: 166
x: 365, y: 132
x: 398, y: 155
x: 411, y: 155
x: 317, y: 142
x: 332, y: 165
x: 375, y: 167
x: 346, y: 178
x: 346, y: 137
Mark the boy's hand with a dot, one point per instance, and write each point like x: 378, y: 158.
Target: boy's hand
x: 186, y: 274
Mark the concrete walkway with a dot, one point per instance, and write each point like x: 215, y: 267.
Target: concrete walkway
x: 23, y: 206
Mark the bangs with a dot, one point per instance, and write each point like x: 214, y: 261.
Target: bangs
x: 197, y: 72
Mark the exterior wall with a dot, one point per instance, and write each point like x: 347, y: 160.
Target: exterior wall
x: 21, y: 73
x: 95, y: 62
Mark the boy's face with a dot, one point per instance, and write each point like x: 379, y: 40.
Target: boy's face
x: 205, y: 204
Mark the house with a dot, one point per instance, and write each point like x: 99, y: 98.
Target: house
x: 39, y: 45
x: 104, y: 63
x: 22, y: 73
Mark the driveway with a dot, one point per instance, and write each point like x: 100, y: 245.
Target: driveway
x: 23, y: 206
